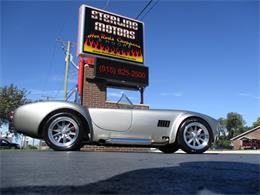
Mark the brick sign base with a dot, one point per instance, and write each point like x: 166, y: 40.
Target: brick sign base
x: 94, y: 96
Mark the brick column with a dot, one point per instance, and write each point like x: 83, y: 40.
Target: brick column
x: 94, y: 96
x: 95, y: 92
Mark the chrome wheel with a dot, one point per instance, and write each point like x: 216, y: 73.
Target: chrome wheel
x: 196, y: 136
x: 63, y: 131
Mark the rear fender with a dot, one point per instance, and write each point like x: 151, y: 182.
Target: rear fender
x: 30, y: 117
x: 82, y: 116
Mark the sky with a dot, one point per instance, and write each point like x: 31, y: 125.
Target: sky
x: 202, y: 55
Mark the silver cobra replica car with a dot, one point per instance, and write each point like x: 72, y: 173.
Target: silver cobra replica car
x: 67, y: 126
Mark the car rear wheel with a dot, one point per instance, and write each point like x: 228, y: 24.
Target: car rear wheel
x: 195, y: 136
x: 63, y: 132
x: 169, y: 148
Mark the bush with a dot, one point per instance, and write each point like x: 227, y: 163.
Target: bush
x: 222, y: 143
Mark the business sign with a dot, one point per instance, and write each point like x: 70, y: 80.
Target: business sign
x: 106, y: 34
x: 121, y: 72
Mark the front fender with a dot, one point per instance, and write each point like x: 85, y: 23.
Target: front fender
x: 27, y: 118
x: 213, y: 124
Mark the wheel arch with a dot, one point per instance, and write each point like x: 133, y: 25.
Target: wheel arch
x: 181, y: 120
x: 199, y: 118
x: 86, y: 123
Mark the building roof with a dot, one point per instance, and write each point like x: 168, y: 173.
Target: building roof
x: 245, y: 133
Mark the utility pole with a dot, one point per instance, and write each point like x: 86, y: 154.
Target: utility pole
x: 67, y: 70
x: 68, y: 60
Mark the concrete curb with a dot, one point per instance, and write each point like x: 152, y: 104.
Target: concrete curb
x: 233, y: 152
x: 216, y: 151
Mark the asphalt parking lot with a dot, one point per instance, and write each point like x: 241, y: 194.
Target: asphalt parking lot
x: 48, y: 172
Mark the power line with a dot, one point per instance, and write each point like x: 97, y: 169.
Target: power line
x: 143, y: 9
x: 106, y: 4
x: 59, y: 91
x: 150, y: 9
x: 51, y: 64
x: 50, y: 67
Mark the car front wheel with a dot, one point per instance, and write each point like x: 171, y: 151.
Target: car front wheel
x: 63, y: 132
x: 195, y: 136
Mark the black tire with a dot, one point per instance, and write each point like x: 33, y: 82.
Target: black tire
x: 169, y: 148
x: 198, y: 133
x: 63, y: 132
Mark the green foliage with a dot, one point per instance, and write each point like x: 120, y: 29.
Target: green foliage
x: 256, y: 123
x: 222, y: 121
x: 10, y: 98
x: 222, y: 143
x: 234, y: 124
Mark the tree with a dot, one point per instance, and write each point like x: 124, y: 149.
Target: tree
x: 222, y: 121
x: 234, y: 124
x: 10, y: 98
x: 222, y: 143
x: 256, y: 123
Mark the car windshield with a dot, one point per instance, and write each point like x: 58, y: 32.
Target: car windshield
x: 125, y: 102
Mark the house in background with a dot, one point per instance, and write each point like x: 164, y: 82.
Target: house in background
x: 247, y: 140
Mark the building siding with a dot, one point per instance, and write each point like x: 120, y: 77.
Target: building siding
x: 237, y: 143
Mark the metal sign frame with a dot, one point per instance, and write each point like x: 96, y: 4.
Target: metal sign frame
x: 121, y: 73
x: 111, y: 36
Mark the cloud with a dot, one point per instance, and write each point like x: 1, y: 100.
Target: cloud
x: 42, y: 94
x: 118, y: 95
x: 249, y: 95
x: 176, y: 94
x: 37, y: 91
x: 60, y: 78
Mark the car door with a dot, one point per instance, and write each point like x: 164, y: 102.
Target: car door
x: 111, y: 119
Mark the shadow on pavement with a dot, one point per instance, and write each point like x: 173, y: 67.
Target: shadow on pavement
x: 188, y: 178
